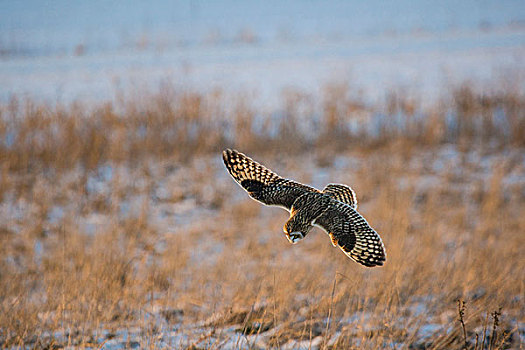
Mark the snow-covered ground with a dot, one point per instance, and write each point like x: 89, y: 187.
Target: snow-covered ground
x: 186, y: 199
x: 88, y: 51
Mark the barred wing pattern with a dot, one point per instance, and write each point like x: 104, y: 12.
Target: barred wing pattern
x: 352, y: 233
x: 261, y: 183
x: 333, y: 209
x: 342, y: 193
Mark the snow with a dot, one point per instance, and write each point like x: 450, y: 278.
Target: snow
x: 91, y: 51
x: 63, y: 51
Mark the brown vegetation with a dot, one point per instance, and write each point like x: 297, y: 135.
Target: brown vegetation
x: 183, y: 124
x: 123, y: 218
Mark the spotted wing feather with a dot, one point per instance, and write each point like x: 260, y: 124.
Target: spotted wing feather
x: 342, y: 193
x: 352, y: 233
x: 261, y: 183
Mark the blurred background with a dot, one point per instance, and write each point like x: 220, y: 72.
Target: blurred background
x: 120, y: 227
x: 62, y: 50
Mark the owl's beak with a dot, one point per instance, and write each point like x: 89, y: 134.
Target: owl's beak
x: 295, y: 237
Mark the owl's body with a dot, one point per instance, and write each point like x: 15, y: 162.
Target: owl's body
x: 334, y: 209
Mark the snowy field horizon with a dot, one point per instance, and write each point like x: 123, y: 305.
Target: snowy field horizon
x: 65, y: 52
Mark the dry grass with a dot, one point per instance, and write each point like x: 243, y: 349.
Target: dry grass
x: 38, y: 136
x: 126, y: 221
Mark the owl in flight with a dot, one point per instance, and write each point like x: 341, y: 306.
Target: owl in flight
x: 334, y: 209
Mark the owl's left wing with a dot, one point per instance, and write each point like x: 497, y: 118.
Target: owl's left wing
x: 352, y: 233
x: 261, y: 183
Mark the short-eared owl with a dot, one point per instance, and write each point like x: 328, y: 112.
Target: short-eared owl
x: 334, y: 209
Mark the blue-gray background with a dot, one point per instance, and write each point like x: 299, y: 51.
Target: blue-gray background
x: 85, y: 50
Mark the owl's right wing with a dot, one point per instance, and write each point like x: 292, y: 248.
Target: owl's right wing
x: 261, y: 183
x: 352, y: 233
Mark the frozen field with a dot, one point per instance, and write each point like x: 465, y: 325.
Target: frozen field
x: 93, y: 52
x: 165, y: 256
x: 120, y: 227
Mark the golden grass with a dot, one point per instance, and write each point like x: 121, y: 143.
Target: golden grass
x: 168, y: 242
x: 168, y: 123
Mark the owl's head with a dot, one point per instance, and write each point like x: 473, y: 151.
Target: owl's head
x: 297, y: 227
